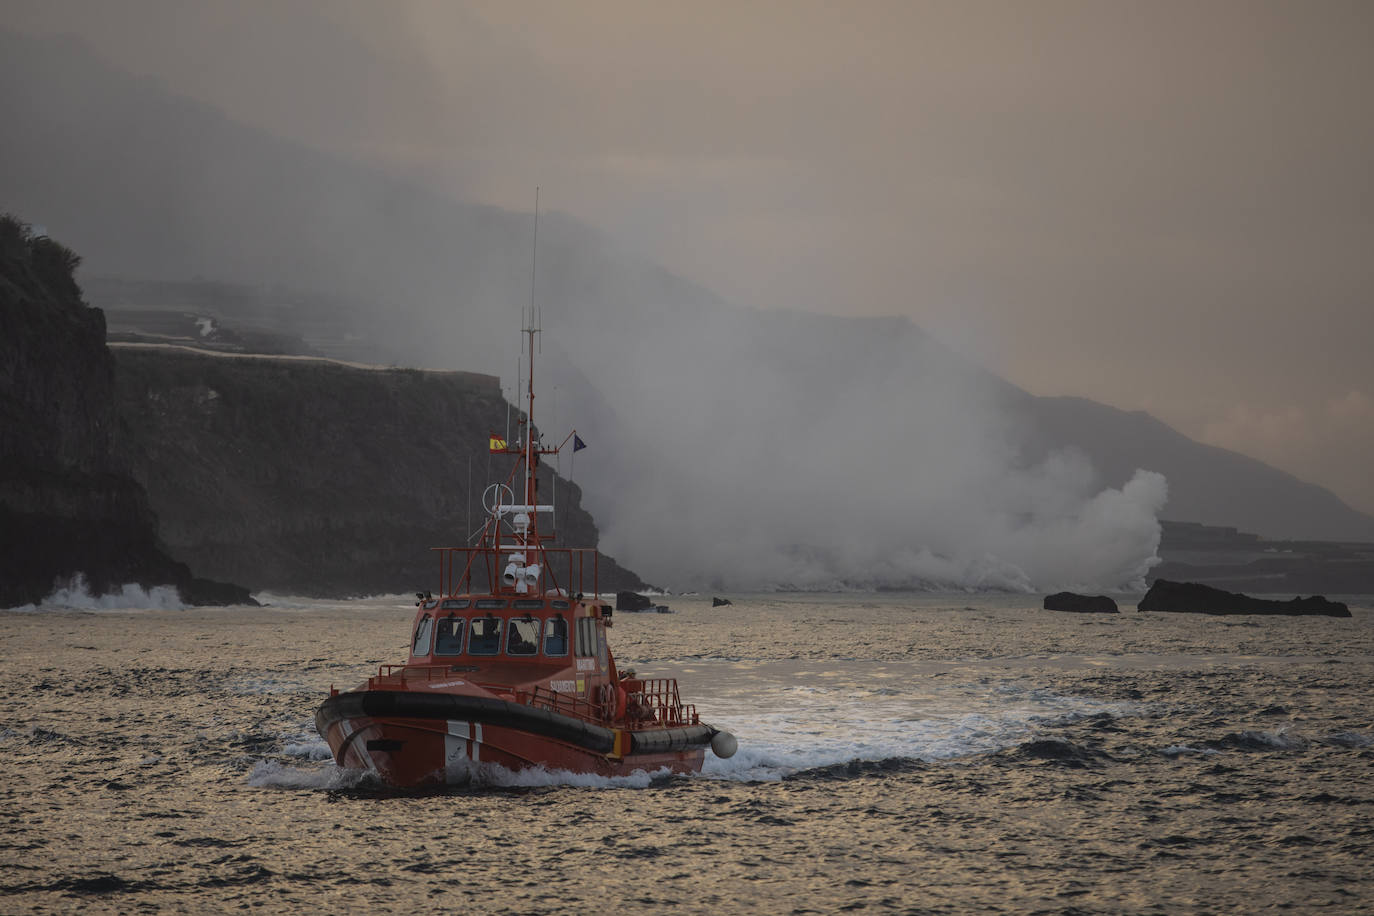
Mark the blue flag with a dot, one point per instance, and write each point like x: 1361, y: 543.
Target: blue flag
x: 578, y: 444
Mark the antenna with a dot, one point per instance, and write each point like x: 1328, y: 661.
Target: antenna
x: 514, y: 393
x: 534, y: 264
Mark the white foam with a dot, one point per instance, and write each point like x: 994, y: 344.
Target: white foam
x: 1279, y: 740
x: 76, y: 595
x: 498, y: 776
x: 818, y: 727
x: 276, y: 775
x: 310, y: 749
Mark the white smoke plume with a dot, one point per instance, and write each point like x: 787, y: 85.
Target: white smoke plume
x: 761, y: 450
x: 728, y: 445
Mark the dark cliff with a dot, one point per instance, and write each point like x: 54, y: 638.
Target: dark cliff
x: 307, y: 476
x: 67, y: 505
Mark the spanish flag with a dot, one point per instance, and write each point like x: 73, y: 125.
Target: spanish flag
x: 498, y: 444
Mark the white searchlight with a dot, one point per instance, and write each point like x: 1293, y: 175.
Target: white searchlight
x: 515, y: 569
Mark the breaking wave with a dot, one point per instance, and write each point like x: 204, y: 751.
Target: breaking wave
x: 76, y: 595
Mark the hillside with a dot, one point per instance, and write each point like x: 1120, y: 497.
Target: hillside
x: 864, y: 446
x: 1209, y: 485
x: 1225, y: 558
x: 305, y: 476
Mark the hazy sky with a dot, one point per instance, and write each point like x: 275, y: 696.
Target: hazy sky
x: 1164, y: 206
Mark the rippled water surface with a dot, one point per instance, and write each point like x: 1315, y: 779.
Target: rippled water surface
x: 897, y: 754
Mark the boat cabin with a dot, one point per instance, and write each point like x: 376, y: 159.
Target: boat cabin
x: 498, y: 629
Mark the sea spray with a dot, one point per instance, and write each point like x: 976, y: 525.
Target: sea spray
x: 76, y: 595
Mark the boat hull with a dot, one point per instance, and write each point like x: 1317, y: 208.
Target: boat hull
x: 412, y: 739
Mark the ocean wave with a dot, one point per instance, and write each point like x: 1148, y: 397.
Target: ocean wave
x: 1181, y: 750
x: 273, y: 774
x: 817, y: 728
x: 1259, y: 741
x: 1056, y: 750
x: 76, y: 595
x: 308, y: 748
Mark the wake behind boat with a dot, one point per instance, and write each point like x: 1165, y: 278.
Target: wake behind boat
x: 517, y: 673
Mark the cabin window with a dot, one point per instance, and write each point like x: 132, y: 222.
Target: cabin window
x: 448, y: 636
x: 560, y: 605
x: 420, y: 645
x: 429, y: 605
x: 455, y: 604
x: 484, y: 636
x: 586, y: 637
x: 523, y: 636
x: 529, y: 604
x: 490, y: 604
x: 556, y: 636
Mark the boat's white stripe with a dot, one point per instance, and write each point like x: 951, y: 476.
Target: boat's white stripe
x: 346, y: 727
x: 461, y: 744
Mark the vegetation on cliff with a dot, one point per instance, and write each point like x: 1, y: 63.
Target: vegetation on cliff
x: 67, y: 506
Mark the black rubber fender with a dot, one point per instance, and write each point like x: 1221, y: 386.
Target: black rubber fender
x: 404, y: 704
x: 659, y: 740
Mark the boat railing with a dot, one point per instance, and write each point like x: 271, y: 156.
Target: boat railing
x: 416, y: 672
x: 574, y: 570
x: 659, y: 700
x: 566, y: 704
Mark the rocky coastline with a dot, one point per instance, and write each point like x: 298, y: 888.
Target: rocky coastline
x: 1194, y: 598
x: 1080, y: 604
x: 68, y: 506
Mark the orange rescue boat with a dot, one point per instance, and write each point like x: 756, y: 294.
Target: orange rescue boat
x: 518, y: 673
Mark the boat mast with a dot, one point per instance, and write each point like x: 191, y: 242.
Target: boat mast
x: 530, y: 450
x: 531, y: 330
x: 522, y: 572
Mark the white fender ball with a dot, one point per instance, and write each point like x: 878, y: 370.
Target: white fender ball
x: 724, y: 745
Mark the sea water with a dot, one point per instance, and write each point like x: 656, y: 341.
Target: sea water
x: 898, y: 753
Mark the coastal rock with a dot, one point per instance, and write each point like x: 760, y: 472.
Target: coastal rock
x: 632, y: 601
x: 1190, y: 597
x: 1080, y: 604
x: 68, y: 506
x: 721, y: 602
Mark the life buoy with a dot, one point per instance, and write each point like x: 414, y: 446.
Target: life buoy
x: 607, y: 701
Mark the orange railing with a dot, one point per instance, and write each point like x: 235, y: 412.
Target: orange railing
x: 570, y: 705
x: 418, y: 672
x: 656, y: 700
